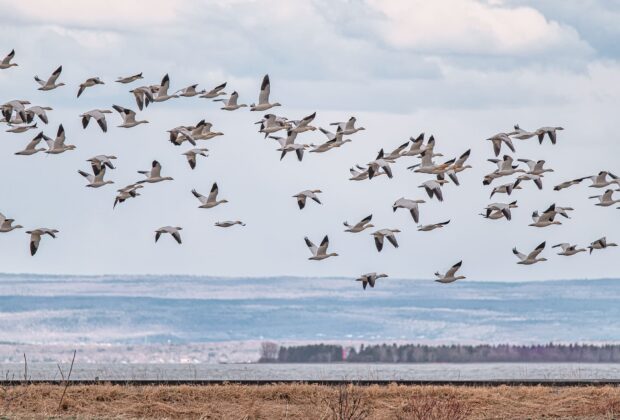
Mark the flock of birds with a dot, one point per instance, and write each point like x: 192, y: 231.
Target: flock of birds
x: 20, y: 117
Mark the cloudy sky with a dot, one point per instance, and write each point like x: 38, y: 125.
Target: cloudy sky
x: 460, y: 69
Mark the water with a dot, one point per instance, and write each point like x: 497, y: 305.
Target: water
x: 334, y: 371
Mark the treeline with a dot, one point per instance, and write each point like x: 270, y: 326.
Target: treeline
x: 419, y: 353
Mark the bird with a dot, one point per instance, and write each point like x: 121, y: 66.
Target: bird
x: 287, y: 144
x: 458, y: 166
x: 95, y: 180
x: 174, y: 231
x: 348, y: 127
x: 271, y: 123
x: 162, y: 91
x: 450, y: 277
x: 546, y: 218
x: 35, y: 237
x: 369, y: 279
x: 89, y: 83
x: 606, y: 199
x: 536, y: 167
x: 377, y: 164
x: 433, y: 188
x: 31, y: 147
x: 536, y: 179
x: 600, y: 244
x: 433, y: 226
x: 231, y: 104
x: 6, y: 61
x: 304, y: 124
x: 385, y: 233
x: 39, y: 111
x: 229, y: 223
x: 302, y: 196
x: 506, y: 188
x: 359, y: 173
x: 532, y: 257
x: 21, y: 128
x: 501, y: 207
x: 192, y: 153
x: 550, y: 131
x: 101, y: 161
x: 570, y: 183
x: 498, y: 139
x: 263, y: 97
x: 154, y: 175
x: 180, y: 134
x: 98, y: 115
x: 600, y: 180
x: 51, y: 82
x: 210, y: 201
x: 319, y: 253
x: 129, y: 79
x: 504, y: 167
x: 143, y: 96
x: 568, y: 249
x: 17, y: 106
x: 411, y: 205
x: 127, y: 192
x: 215, y: 92
x: 129, y: 117
x: 359, y: 226
x: 396, y: 153
x: 6, y: 225
x: 58, y: 145
x: 417, y: 146
x: 190, y: 91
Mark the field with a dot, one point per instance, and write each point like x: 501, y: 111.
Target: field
x: 309, y: 402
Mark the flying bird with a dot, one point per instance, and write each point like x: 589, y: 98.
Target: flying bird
x: 450, y: 275
x: 532, y: 257
x: 173, y: 231
x: 210, y: 201
x: 319, y: 253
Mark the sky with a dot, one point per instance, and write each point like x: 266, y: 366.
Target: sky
x: 462, y: 70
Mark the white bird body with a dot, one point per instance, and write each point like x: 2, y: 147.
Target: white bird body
x: 232, y: 103
x: 369, y: 279
x: 536, y: 167
x: 359, y: 226
x: 129, y: 79
x: 302, y: 196
x: 190, y: 91
x: 504, y: 208
x: 229, y: 223
x: 606, y: 199
x: 568, y: 249
x: 93, y: 81
x: 21, y: 128
x: 98, y: 115
x: 532, y: 257
x: 600, y: 180
x: 348, y: 127
x: 174, y: 231
x: 50, y: 83
x: 319, y: 253
x: 450, y: 276
x: 546, y: 218
x: 6, y: 225
x: 432, y: 226
x: 498, y: 139
x: 154, y: 175
x: 215, y: 92
x: 411, y: 205
x: 6, y: 61
x: 389, y: 234
x: 600, y: 244
x: 129, y: 117
x: 210, y: 201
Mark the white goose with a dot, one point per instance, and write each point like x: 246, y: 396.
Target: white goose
x: 129, y: 79
x: 600, y: 244
x: 433, y: 188
x: 229, y: 223
x: 505, y: 167
x: 536, y: 179
x: 359, y: 226
x: 210, y: 201
x: 21, y: 128
x: 35, y: 237
x: 129, y: 191
x: 304, y: 124
x: 600, y: 180
x: 6, y: 225
x: 532, y: 257
x: 190, y: 91
x: 432, y: 226
x: 231, y: 104
x: 499, y: 139
x: 263, y: 97
x: 129, y: 117
x: 417, y: 146
x: 389, y: 234
x: 154, y: 175
x: 174, y: 231
x: 376, y: 165
x: 536, y: 167
x: 348, y: 127
x: 31, y: 148
x: 6, y: 61
x: 319, y: 253
x: 606, y: 199
x: 93, y: 81
x: 545, y: 219
x: 98, y: 115
x: 101, y: 161
x: 302, y: 196
x: 143, y: 96
x: 215, y: 92
x: 39, y: 111
x: 550, y: 131
x: 506, y: 188
x: 369, y: 279
x: 162, y: 92
x: 503, y: 208
x: 450, y: 275
x: 568, y: 249
x: 51, y: 82
x: 287, y: 144
x: 570, y: 183
x: 458, y: 166
x: 96, y: 180
x: 271, y: 124
x: 191, y: 155
x: 58, y: 145
x: 17, y: 106
x: 411, y: 205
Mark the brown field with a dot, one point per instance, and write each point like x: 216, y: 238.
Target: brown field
x: 309, y: 402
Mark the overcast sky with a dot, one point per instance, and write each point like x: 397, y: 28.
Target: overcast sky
x: 462, y: 70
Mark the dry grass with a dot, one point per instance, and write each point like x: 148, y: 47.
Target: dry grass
x: 310, y: 402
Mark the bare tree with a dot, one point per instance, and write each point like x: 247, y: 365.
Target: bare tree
x: 268, y: 351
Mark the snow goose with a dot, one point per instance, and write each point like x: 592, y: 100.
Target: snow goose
x: 506, y: 188
x: 568, y: 249
x: 130, y: 191
x: 191, y: 155
x: 302, y: 196
x: 546, y: 218
x: 320, y: 252
x: 143, y: 96
x: 129, y: 117
x: 536, y: 167
x: 58, y: 146
x: 304, y: 124
x: 215, y: 92
x: 600, y: 244
x: 521, y: 134
x: 6, y: 225
x: 432, y: 226
x: 190, y: 91
x: 35, y: 237
x: 450, y: 277
x: 39, y: 111
x: 536, y: 179
x: 563, y: 211
x: 129, y: 79
x: 396, y: 153
x: 50, y: 83
x: 377, y: 164
x: 17, y: 106
x: 458, y: 166
x: 210, y: 201
x: 271, y: 123
x: 287, y: 144
x: 492, y: 214
x: 606, y: 199
x: 180, y: 134
x: 417, y: 146
x: 89, y: 83
x: 162, y: 91
x: 174, y: 231
x: 323, y: 147
x: 348, y: 127
x: 205, y: 132
x: 95, y: 180
x: 263, y: 97
x: 389, y: 234
x: 498, y: 139
x: 532, y: 257
x: 600, y: 180
x: 505, y: 167
x: 229, y: 223
x: 428, y: 166
x: 231, y: 104
x: 433, y: 188
x: 31, y: 148
x: 570, y: 183
x: 359, y: 226
x: 504, y: 208
x: 98, y: 115
x: 550, y: 131
x: 411, y: 205
x: 369, y: 279
x: 21, y: 128
x: 154, y: 175
x: 6, y: 61
x: 100, y: 161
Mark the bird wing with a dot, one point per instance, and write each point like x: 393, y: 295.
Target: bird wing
x: 392, y: 239
x: 265, y: 89
x: 536, y: 251
x: 379, y: 242
x: 213, y: 193
x: 323, y: 247
x: 54, y: 76
x: 452, y: 271
x: 199, y: 196
x: 9, y: 57
x: 311, y: 246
